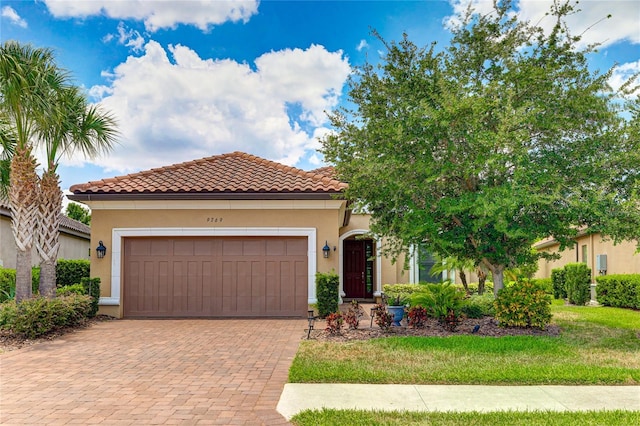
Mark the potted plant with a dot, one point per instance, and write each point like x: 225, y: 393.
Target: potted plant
x: 396, y: 308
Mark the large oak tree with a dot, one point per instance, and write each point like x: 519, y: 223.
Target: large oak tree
x: 484, y: 146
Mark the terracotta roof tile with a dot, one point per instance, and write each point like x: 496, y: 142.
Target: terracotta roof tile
x: 236, y: 172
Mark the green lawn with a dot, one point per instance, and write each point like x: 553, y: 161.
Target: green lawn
x: 598, y: 346
x: 534, y: 418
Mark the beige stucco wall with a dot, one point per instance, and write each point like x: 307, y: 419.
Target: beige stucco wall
x: 71, y: 246
x: 325, y: 216
x: 621, y: 258
x: 7, y: 244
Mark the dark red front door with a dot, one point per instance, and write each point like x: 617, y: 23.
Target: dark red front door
x: 358, y: 269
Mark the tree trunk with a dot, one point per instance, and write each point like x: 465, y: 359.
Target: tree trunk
x: 463, y: 279
x: 23, y: 202
x: 482, y: 278
x: 498, y: 279
x: 48, y: 243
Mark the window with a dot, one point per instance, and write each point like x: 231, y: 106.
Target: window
x: 584, y: 254
x: 422, y: 263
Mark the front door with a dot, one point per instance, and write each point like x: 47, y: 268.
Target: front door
x: 358, y: 269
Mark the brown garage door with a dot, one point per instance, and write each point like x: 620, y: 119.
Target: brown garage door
x: 215, y: 277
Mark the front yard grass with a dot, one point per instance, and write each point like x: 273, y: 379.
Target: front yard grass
x: 597, y: 346
x: 531, y: 418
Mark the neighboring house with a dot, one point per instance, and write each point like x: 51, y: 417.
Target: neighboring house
x: 74, y: 239
x: 228, y: 235
x: 600, y: 255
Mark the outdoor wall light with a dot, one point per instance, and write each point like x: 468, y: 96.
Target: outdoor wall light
x: 101, y: 250
x: 326, y: 250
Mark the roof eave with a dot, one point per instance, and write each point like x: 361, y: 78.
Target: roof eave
x: 206, y: 196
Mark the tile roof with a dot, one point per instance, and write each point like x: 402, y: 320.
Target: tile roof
x: 66, y: 223
x: 227, y: 174
x: 328, y: 171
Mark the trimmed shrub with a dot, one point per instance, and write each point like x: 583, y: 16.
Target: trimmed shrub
x: 620, y: 290
x: 92, y: 288
x: 544, y: 283
x: 35, y: 280
x: 523, y: 304
x: 7, y: 284
x: 577, y: 282
x: 484, y: 303
x: 70, y: 289
x: 557, y: 282
x: 38, y: 316
x: 69, y: 272
x: 402, y: 292
x: 328, y: 292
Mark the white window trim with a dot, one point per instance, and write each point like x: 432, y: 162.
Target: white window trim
x: 377, y: 286
x: 118, y: 234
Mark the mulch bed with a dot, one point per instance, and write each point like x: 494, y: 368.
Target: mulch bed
x: 488, y: 327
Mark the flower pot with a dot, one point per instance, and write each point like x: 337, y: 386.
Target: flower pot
x: 398, y: 314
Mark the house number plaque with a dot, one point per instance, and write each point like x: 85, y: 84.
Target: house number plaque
x: 214, y: 220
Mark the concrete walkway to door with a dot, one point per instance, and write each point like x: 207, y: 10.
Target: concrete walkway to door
x: 133, y: 372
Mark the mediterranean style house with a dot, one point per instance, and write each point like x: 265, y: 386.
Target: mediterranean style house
x: 231, y: 235
x: 74, y: 239
x: 600, y: 254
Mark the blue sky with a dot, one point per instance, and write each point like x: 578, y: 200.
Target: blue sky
x: 190, y: 79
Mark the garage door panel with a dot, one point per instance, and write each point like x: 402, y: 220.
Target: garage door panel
x: 215, y: 276
x: 158, y: 248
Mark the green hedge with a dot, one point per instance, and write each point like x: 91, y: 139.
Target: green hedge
x: 38, y: 316
x: 577, y: 283
x: 544, y: 283
x: 92, y: 288
x: 328, y: 293
x: 402, y: 291
x: 557, y: 282
x: 620, y: 291
x: 70, y: 272
x: 8, y: 283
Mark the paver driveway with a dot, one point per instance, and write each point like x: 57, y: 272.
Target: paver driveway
x: 153, y: 372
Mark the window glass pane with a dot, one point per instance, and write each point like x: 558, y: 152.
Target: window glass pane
x: 425, y: 263
x: 584, y: 254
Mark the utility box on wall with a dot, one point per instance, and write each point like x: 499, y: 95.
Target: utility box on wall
x: 601, y: 263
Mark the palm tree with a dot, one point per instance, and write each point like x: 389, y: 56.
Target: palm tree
x: 74, y: 125
x: 28, y: 77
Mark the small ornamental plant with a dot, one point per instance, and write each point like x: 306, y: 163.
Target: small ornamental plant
x: 334, y: 323
x: 353, y: 315
x: 417, y: 317
x: 451, y: 321
x: 383, y: 318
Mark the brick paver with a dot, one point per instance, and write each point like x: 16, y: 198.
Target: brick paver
x: 133, y: 372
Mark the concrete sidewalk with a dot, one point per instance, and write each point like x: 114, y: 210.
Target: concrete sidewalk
x: 298, y: 397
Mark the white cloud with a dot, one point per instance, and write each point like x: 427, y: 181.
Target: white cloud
x: 10, y: 13
x: 174, y: 106
x: 159, y: 14
x: 623, y: 73
x: 130, y: 38
x: 362, y: 45
x: 591, y: 21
